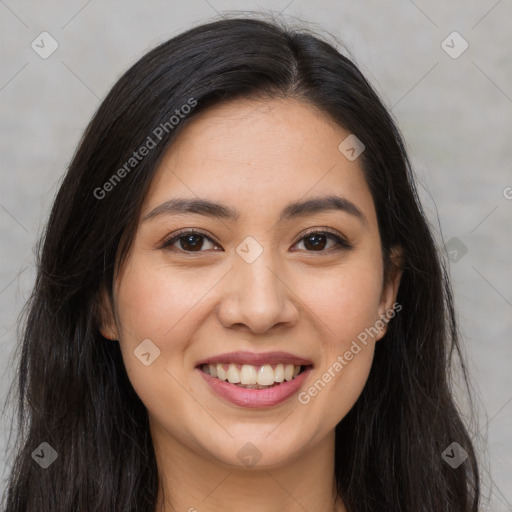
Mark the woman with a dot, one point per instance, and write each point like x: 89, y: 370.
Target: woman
x: 239, y: 301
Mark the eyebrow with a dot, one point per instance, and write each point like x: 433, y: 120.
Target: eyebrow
x: 297, y: 209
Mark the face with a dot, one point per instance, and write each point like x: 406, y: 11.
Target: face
x: 260, y: 290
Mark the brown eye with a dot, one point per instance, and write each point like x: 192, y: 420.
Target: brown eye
x: 189, y: 241
x: 316, y: 241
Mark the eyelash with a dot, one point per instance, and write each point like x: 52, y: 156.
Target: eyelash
x: 340, y: 241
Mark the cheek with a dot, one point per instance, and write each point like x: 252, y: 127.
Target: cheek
x: 346, y: 308
x: 151, y: 306
x: 345, y: 300
x: 155, y: 304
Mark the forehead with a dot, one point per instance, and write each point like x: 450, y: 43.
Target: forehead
x: 257, y: 155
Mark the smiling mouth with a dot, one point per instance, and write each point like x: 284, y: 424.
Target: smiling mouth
x: 254, y: 377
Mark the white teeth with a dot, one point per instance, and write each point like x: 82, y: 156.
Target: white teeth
x: 233, y: 374
x: 221, y: 373
x: 265, y: 375
x: 249, y: 375
x: 279, y: 373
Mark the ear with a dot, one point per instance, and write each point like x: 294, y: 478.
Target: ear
x: 104, y: 315
x: 390, y: 291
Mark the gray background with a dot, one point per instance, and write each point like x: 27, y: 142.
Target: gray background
x: 455, y: 114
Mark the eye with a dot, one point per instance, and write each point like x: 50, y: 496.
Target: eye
x: 190, y: 240
x: 317, y: 240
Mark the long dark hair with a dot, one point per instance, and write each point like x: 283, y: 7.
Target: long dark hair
x: 74, y: 393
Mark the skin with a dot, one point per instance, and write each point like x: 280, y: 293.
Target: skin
x: 255, y: 156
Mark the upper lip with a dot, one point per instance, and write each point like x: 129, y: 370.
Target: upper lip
x: 256, y: 359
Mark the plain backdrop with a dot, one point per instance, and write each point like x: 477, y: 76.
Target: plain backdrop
x: 453, y: 108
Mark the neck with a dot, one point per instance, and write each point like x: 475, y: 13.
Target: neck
x: 193, y: 482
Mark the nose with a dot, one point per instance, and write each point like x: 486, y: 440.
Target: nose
x: 257, y: 296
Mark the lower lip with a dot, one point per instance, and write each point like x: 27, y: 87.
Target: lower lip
x: 256, y: 398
